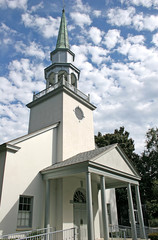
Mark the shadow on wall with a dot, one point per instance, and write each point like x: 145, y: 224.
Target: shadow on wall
x: 35, y: 189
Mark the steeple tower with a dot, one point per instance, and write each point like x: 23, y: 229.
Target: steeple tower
x: 62, y: 58
x: 63, y: 104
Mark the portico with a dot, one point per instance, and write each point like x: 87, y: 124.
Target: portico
x: 86, y: 167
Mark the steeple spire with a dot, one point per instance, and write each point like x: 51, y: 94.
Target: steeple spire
x: 63, y: 41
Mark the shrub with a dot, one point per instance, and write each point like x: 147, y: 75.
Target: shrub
x: 153, y: 236
x: 153, y: 222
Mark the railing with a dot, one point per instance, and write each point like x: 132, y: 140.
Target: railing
x: 20, y: 235
x: 55, y: 86
x: 125, y: 232
x: 67, y: 234
x: 117, y: 232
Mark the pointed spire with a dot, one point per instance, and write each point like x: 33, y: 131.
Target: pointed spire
x: 63, y: 41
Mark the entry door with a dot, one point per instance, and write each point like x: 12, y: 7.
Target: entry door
x: 80, y: 220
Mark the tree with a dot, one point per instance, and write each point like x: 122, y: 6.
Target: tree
x: 149, y: 173
x: 119, y: 136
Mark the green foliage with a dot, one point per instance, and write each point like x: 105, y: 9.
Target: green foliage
x: 153, y: 222
x: 119, y: 136
x: 152, y: 209
x: 149, y: 173
x: 153, y: 236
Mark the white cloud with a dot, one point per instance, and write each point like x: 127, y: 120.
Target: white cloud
x: 137, y: 39
x: 144, y: 3
x: 4, y: 29
x: 125, y: 44
x: 36, y: 7
x: 119, y: 16
x: 26, y: 75
x: 11, y: 116
x: 99, y: 54
x: 7, y: 36
x: 155, y: 39
x: 141, y: 22
x: 80, y: 19
x: 112, y: 38
x: 48, y: 27
x: 97, y: 13
x: 14, y: 4
x: 128, y: 17
x: 33, y: 49
x: 95, y: 35
x: 80, y: 7
x: 16, y: 89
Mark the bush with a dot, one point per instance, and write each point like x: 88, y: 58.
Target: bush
x: 153, y: 222
x: 153, y: 236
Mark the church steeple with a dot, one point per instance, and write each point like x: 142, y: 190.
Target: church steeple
x: 62, y: 60
x: 63, y: 41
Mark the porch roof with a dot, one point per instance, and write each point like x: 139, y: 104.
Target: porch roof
x: 89, y: 161
x: 81, y: 157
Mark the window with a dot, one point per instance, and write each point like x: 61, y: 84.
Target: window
x: 109, y: 213
x: 25, y: 212
x: 79, y: 197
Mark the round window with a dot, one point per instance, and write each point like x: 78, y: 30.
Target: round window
x: 79, y: 113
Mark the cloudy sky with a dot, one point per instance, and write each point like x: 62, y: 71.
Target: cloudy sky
x: 116, y: 47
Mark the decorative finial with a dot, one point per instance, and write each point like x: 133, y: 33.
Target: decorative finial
x: 63, y: 5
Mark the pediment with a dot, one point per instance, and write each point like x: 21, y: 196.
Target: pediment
x: 115, y: 158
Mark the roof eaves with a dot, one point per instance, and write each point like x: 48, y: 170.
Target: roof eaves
x: 8, y: 147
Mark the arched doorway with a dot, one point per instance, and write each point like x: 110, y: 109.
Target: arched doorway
x: 80, y: 216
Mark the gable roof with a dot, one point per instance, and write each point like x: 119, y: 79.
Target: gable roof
x: 10, y: 145
x: 81, y: 157
x: 92, y: 156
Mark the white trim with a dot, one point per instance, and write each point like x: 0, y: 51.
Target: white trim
x: 9, y: 147
x: 34, y: 134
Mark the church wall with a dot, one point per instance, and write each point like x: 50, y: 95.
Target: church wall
x: 46, y: 113
x: 22, y: 177
x: 76, y: 133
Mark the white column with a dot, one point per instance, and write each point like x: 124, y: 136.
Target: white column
x: 140, y: 213
x: 69, y: 78
x: 56, y: 78
x: 104, y: 208
x: 90, y: 226
x: 131, y: 209
x: 47, y: 203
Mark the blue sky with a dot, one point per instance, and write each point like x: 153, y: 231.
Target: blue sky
x: 116, y: 48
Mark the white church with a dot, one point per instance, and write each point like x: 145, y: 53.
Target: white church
x: 55, y: 175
